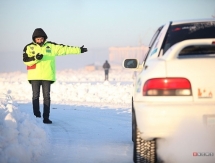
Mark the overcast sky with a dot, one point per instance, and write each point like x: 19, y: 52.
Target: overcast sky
x: 94, y: 23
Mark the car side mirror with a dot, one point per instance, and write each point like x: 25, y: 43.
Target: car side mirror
x: 130, y: 63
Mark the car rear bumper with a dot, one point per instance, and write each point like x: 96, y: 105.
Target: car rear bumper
x: 157, y: 120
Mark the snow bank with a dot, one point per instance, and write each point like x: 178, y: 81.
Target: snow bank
x: 23, y: 138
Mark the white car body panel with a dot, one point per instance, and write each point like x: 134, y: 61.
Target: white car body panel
x: 160, y: 119
x: 203, y: 86
x: 155, y: 50
x: 156, y: 66
x: 209, y: 20
x: 159, y: 116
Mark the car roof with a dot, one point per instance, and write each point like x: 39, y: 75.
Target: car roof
x: 176, y: 22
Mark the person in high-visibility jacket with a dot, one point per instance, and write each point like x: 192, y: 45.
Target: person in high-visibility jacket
x: 39, y: 56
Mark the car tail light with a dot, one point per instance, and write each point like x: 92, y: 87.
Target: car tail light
x: 213, y: 42
x: 167, y: 87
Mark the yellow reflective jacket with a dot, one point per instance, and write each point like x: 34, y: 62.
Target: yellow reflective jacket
x: 44, y: 69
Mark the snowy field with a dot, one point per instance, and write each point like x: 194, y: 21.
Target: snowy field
x: 91, y: 119
x: 91, y: 122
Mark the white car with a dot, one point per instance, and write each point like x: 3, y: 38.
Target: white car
x: 176, y: 81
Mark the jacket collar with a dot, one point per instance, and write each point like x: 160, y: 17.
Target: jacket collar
x: 38, y: 44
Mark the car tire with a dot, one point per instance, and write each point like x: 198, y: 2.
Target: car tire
x: 134, y: 125
x: 144, y: 151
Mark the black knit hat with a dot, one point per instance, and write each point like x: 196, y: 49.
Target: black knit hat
x: 39, y: 32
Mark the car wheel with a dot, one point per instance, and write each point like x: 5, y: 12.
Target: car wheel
x: 144, y: 151
x: 134, y: 125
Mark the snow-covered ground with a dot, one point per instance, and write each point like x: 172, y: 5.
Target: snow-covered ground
x: 91, y: 119
x: 91, y: 122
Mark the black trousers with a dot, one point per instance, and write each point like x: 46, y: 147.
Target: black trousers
x: 106, y: 74
x: 46, y: 87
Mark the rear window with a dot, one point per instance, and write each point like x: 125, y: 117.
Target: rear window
x: 205, y: 51
x: 181, y: 32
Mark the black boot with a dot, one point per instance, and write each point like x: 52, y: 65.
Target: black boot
x: 46, y: 111
x: 36, y: 108
x: 47, y: 121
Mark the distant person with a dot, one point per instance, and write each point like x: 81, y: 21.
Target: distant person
x: 39, y: 56
x: 106, y: 67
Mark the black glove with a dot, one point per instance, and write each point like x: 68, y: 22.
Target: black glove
x: 83, y: 49
x: 39, y: 56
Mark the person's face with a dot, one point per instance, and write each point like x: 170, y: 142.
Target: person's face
x: 39, y: 40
